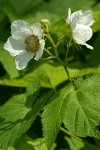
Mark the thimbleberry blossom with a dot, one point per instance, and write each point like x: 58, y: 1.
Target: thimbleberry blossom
x: 80, y: 25
x: 25, y: 42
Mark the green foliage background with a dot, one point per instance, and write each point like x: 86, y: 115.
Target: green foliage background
x: 37, y: 101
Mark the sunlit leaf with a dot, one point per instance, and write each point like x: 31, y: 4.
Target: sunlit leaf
x: 77, y: 107
x: 17, y: 115
x: 76, y: 144
x: 28, y: 143
x: 49, y: 75
x: 8, y: 62
x: 96, y: 25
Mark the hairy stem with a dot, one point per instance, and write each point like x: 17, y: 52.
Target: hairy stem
x: 64, y: 64
x: 66, y: 60
x: 77, y: 138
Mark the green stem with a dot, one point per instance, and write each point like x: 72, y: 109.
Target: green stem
x: 50, y: 39
x: 66, y: 69
x: 57, y: 56
x: 55, y: 48
x: 68, y: 46
x: 47, y: 28
x: 66, y: 60
x: 77, y: 138
x: 48, y: 52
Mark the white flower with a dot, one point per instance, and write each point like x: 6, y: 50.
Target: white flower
x: 80, y: 25
x: 25, y: 43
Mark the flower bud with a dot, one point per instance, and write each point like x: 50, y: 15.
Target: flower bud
x: 45, y: 22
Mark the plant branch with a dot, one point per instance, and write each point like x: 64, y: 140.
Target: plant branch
x: 57, y: 56
x: 77, y: 138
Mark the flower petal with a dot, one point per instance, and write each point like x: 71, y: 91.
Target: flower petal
x: 15, y: 47
x: 22, y: 60
x: 82, y: 33
x: 89, y: 46
x: 37, y: 31
x: 87, y: 18
x: 40, y: 51
x: 75, y: 17
x: 69, y: 16
x: 20, y: 29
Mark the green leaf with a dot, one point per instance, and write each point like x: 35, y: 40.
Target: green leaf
x: 8, y: 62
x: 74, y: 144
x: 10, y: 148
x: 77, y: 107
x: 49, y: 75
x: 80, y: 144
x: 17, y: 115
x: 37, y: 10
x: 83, y: 109
x: 52, y: 117
x: 46, y: 73
x: 96, y: 17
x: 60, y: 28
x: 27, y: 143
x: 25, y: 8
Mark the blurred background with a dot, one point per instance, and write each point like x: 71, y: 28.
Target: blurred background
x: 33, y: 11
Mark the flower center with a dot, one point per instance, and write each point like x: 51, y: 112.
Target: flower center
x: 32, y: 43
